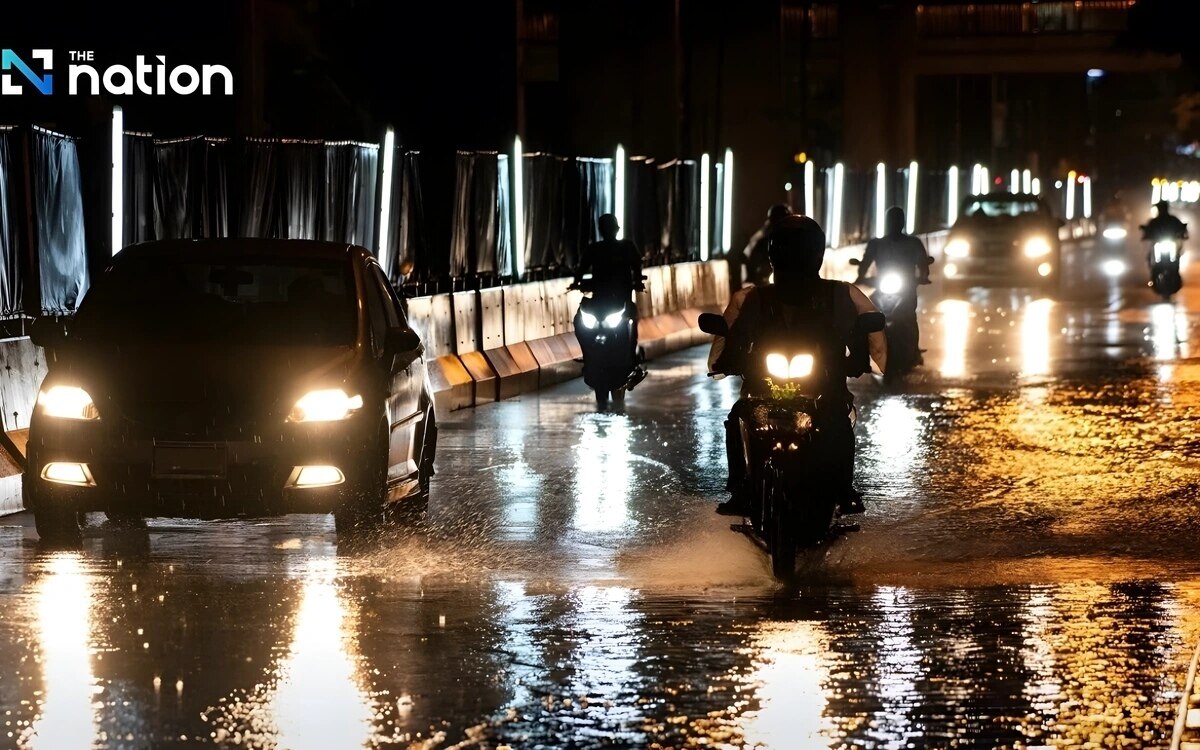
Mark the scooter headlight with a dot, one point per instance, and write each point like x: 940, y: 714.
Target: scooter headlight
x: 1164, y: 250
x: 614, y: 319
x: 799, y: 366
x: 588, y: 320
x: 891, y: 283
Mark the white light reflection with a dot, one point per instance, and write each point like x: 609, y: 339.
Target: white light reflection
x: 727, y: 203
x: 603, y: 475
x: 1043, y: 689
x: 810, y: 200
x: 619, y: 190
x: 911, y: 203
x: 318, y: 701
x: 896, y: 429
x: 118, y: 179
x: 899, y: 663
x: 1035, y: 338
x: 790, y: 670
x: 1168, y: 332
x: 880, y: 197
x: 956, y: 326
x: 64, y: 601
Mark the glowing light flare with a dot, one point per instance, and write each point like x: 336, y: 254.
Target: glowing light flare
x: 1169, y: 331
x: 977, y: 180
x: 1027, y: 181
x: 118, y: 179
x: 1036, y: 186
x: 880, y: 197
x: 835, y: 218
x: 1035, y: 338
x: 705, y: 199
x: 619, y: 191
x: 791, y: 668
x: 1155, y: 192
x: 1087, y: 197
x: 985, y: 180
x: 955, y: 318
x: 385, y: 206
x: 896, y: 428
x: 64, y: 608
x: 911, y: 204
x: 810, y: 200
x: 727, y: 204
x: 603, y: 476
x: 1069, y: 187
x: 1014, y: 181
x: 518, y: 212
x: 951, y: 196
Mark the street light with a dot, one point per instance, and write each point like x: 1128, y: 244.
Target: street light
x: 518, y: 213
x: 727, y: 203
x: 810, y: 201
x: 385, y: 207
x: 704, y: 228
x: 952, y: 196
x: 880, y: 195
x: 619, y: 191
x: 835, y: 218
x: 1070, y: 188
x: 118, y: 179
x: 911, y: 216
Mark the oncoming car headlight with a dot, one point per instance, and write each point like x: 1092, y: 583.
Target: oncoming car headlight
x: 1037, y: 247
x: 614, y: 319
x: 588, y: 320
x: 325, y: 405
x: 779, y: 366
x: 891, y: 283
x: 67, y: 402
x: 958, y: 248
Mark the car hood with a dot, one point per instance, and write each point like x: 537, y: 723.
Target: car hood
x: 230, y: 382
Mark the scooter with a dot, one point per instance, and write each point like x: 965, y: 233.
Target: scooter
x: 895, y: 296
x: 1164, y: 265
x: 792, y: 494
x: 604, y: 327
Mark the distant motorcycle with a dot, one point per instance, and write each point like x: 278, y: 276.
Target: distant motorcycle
x: 1163, y: 259
x: 604, y: 327
x: 793, y: 500
x: 895, y: 296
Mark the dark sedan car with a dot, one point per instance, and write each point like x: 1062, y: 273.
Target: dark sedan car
x: 226, y: 378
x: 1004, y: 239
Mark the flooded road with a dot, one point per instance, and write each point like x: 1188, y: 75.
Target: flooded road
x: 1025, y: 576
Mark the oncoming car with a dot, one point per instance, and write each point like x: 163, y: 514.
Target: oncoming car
x: 1004, y: 239
x: 228, y: 378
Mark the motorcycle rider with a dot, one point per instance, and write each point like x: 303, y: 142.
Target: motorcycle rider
x: 755, y: 256
x: 897, y: 250
x: 1164, y: 225
x: 799, y: 300
x: 616, y: 269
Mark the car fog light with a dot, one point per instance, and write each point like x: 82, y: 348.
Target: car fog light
x: 318, y: 476
x: 63, y: 472
x: 1045, y: 269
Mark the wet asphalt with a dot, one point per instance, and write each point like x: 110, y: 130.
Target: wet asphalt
x: 1026, y: 574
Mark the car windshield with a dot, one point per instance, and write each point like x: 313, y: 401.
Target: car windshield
x: 262, y: 301
x: 994, y: 208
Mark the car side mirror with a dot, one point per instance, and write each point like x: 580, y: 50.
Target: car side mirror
x: 870, y: 322
x: 400, y: 341
x: 855, y: 262
x: 713, y: 324
x: 48, y: 333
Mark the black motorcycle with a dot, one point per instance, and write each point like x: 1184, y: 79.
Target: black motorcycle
x: 790, y: 491
x: 895, y: 296
x: 604, y: 327
x: 1163, y: 258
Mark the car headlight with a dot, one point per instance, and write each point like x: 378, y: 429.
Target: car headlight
x: 588, y: 320
x: 325, y: 405
x: 67, y: 402
x: 958, y: 248
x: 779, y: 366
x: 613, y: 320
x: 891, y: 283
x: 1114, y: 233
x: 1037, y: 247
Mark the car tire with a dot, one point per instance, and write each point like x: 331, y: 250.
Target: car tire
x: 362, y: 510
x: 412, y: 509
x: 54, y: 524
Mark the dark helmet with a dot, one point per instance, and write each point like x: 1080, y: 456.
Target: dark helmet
x: 893, y: 221
x: 797, y: 245
x: 609, y: 226
x: 778, y: 211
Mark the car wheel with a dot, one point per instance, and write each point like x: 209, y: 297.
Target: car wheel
x: 363, y: 507
x: 412, y: 509
x: 54, y: 524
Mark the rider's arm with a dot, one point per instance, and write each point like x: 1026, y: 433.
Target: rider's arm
x: 877, y: 341
x: 734, y: 318
x: 586, y: 259
x: 867, y: 259
x: 921, y: 258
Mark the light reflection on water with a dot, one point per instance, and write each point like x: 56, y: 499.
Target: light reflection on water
x: 67, y: 718
x: 1035, y: 338
x: 603, y: 475
x: 790, y: 670
x: 956, y: 325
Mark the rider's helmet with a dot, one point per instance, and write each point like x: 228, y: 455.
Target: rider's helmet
x: 893, y: 221
x: 1163, y: 208
x: 777, y: 212
x: 608, y: 226
x: 797, y: 246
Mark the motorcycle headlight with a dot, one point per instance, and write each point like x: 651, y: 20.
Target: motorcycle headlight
x: 67, y: 402
x: 613, y: 320
x: 1036, y: 247
x: 1164, y: 249
x: 891, y: 283
x: 958, y: 248
x: 325, y: 405
x: 588, y: 320
x: 799, y: 366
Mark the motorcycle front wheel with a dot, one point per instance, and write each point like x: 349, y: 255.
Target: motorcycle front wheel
x: 780, y: 527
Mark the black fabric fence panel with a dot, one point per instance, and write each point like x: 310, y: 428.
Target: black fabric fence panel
x: 543, y: 211
x: 643, y: 224
x: 303, y: 168
x: 12, y: 287
x: 480, y: 244
x: 140, y: 179
x: 58, y: 222
x: 191, y: 188
x: 262, y: 205
x: 679, y: 207
x: 588, y: 196
x: 350, y: 179
x: 408, y: 248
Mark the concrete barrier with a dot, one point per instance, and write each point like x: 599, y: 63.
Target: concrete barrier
x: 23, y: 366
x: 433, y: 318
